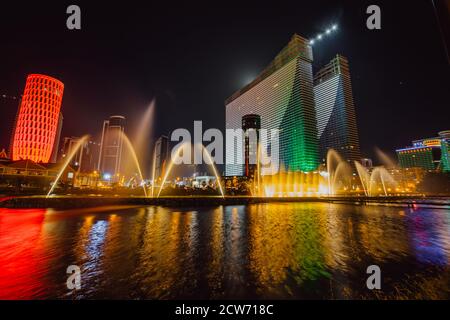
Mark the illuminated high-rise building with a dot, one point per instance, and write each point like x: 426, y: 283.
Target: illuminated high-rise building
x: 430, y: 153
x: 445, y: 150
x: 111, y: 147
x: 336, y: 120
x: 161, y: 156
x: 39, y: 120
x: 283, y: 97
x: 251, y: 124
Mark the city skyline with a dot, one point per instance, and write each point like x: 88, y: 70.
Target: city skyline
x: 218, y: 160
x: 127, y: 90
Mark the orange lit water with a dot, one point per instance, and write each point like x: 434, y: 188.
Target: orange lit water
x: 277, y: 250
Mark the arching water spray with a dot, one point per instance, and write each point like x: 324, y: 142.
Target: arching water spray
x: 384, y: 158
x: 384, y: 177
x: 364, y: 177
x: 136, y: 161
x: 77, y: 146
x: 169, y: 168
x: 219, y: 182
x: 333, y: 160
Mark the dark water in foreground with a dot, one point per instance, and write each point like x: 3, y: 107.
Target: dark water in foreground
x: 285, y: 250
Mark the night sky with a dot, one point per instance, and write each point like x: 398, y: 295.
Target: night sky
x: 190, y: 56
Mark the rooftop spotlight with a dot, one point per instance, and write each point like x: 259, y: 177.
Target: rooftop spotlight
x: 319, y: 37
x: 311, y: 42
x: 328, y: 31
x: 334, y: 27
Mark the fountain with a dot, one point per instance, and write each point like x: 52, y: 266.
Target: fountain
x: 292, y: 184
x: 364, y: 177
x: 211, y: 163
x: 286, y: 183
x: 370, y: 181
x: 384, y: 177
x: 169, y: 168
x: 142, y: 133
x: 134, y: 157
x: 338, y: 176
x: 77, y: 146
x: 339, y: 171
x: 385, y: 159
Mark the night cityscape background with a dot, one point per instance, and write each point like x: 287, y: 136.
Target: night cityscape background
x: 190, y: 58
x: 93, y: 204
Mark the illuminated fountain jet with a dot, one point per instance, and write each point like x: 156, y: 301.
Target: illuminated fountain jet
x: 208, y: 161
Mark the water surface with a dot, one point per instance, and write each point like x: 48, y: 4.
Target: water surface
x: 276, y: 250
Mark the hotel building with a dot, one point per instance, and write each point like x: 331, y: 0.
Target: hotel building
x: 430, y: 153
x: 282, y: 95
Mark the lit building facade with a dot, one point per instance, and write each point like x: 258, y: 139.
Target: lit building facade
x: 39, y: 120
x: 445, y: 150
x: 251, y: 124
x: 429, y: 153
x: 161, y: 156
x: 111, y: 147
x: 283, y: 97
x: 336, y: 121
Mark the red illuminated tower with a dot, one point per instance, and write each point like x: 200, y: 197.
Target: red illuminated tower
x: 37, y: 121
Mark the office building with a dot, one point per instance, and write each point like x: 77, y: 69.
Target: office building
x: 111, y: 147
x: 161, y: 156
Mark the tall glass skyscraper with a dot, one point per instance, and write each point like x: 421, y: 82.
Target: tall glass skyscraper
x: 336, y: 121
x: 282, y: 95
x: 111, y: 147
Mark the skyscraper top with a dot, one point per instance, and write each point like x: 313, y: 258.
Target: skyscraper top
x: 43, y: 77
x: 297, y: 46
x: 332, y: 68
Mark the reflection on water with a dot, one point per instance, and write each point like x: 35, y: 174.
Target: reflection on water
x: 277, y: 250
